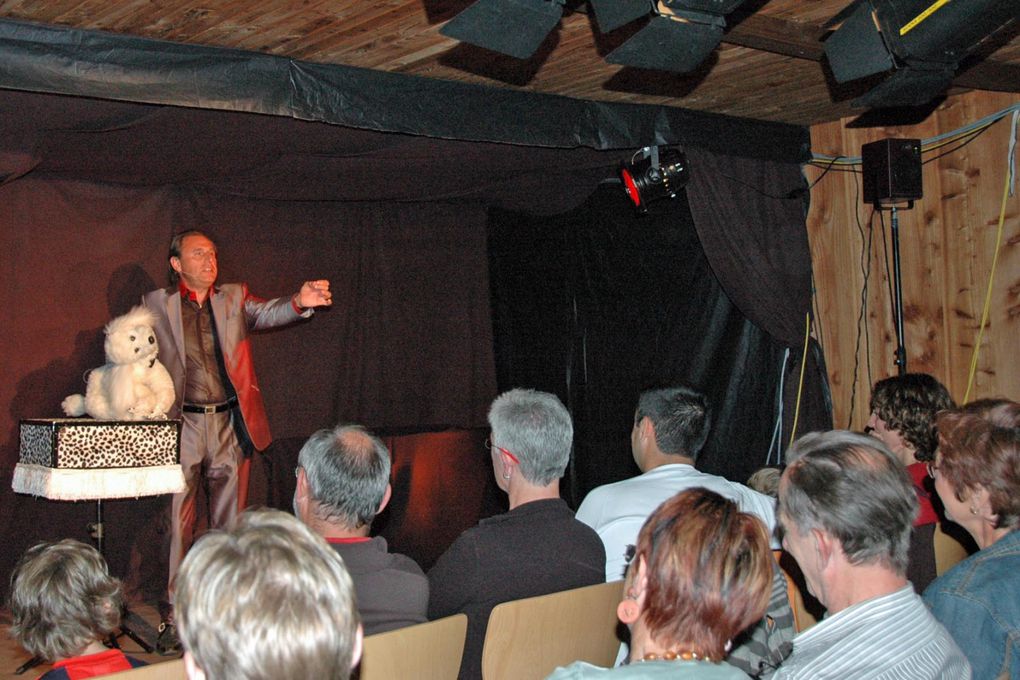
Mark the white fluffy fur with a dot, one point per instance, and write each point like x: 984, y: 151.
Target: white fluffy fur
x: 132, y: 385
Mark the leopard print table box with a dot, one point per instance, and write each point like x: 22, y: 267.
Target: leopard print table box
x: 82, y: 458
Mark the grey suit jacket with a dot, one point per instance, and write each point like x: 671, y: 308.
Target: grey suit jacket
x: 236, y: 312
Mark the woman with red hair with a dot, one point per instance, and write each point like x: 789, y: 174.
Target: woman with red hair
x: 977, y: 476
x: 700, y: 575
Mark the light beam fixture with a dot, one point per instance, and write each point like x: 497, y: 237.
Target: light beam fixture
x: 678, y: 37
x: 654, y: 173
x: 611, y: 14
x: 920, y: 42
x: 512, y: 27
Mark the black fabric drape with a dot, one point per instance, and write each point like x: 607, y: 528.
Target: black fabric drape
x: 598, y: 304
x: 749, y: 214
x: 407, y: 343
x: 61, y: 60
x: 280, y: 159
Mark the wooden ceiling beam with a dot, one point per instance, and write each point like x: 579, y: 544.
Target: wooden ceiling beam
x: 989, y: 75
x: 779, y: 36
x: 804, y: 41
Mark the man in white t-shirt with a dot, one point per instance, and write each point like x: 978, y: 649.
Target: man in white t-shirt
x: 670, y: 429
x: 671, y: 426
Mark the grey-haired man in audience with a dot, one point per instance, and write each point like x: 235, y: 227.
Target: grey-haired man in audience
x: 846, y: 506
x: 343, y: 482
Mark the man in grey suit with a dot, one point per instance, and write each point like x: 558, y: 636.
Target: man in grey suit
x: 202, y: 331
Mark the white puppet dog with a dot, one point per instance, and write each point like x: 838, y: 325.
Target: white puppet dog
x: 132, y: 385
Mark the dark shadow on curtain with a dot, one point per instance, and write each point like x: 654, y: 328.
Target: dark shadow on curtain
x: 598, y: 304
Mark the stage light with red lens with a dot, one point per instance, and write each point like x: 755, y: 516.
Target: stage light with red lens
x: 654, y: 173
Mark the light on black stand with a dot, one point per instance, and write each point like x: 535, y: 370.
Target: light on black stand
x: 892, y: 179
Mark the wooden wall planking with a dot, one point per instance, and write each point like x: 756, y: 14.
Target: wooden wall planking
x: 947, y: 242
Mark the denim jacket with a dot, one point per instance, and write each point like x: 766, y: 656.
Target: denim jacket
x: 978, y: 601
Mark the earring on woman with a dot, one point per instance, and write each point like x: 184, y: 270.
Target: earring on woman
x: 628, y: 611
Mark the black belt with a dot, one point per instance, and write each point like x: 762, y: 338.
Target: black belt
x: 211, y: 408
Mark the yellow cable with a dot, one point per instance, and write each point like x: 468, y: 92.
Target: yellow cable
x: 988, y: 293
x: 800, y: 383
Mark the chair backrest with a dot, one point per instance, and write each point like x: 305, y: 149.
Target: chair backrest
x: 950, y: 547
x: 427, y: 651
x: 164, y: 670
x: 529, y: 638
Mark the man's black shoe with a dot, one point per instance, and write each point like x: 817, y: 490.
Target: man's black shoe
x: 168, y: 644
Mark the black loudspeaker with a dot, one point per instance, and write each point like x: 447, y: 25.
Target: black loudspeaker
x: 892, y: 171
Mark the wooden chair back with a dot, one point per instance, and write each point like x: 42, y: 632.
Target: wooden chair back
x: 164, y: 670
x: 950, y: 547
x: 427, y: 651
x: 529, y: 638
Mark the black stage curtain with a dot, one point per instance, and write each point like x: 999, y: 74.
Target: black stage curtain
x: 407, y: 343
x: 598, y: 304
x: 61, y: 60
x: 749, y: 214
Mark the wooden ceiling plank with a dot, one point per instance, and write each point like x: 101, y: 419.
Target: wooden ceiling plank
x: 788, y: 38
x: 990, y: 75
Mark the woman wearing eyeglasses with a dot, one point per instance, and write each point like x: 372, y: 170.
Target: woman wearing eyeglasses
x: 700, y: 575
x: 977, y: 476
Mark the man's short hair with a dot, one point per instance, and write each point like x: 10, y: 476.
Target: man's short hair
x: 348, y: 469
x: 853, y: 488
x: 908, y: 404
x: 268, y: 599
x: 681, y: 419
x: 175, y: 250
x: 62, y: 599
x: 537, y: 429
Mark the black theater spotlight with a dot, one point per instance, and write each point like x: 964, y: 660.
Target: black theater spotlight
x: 653, y: 173
x: 678, y: 37
x: 512, y: 27
x: 918, y: 44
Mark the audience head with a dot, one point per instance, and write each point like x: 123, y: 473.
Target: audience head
x: 679, y: 419
x: 63, y: 599
x: 766, y: 481
x: 701, y: 574
x: 850, y: 487
x: 346, y: 477
x: 268, y: 599
x: 903, y: 410
x: 535, y: 429
x: 977, y: 471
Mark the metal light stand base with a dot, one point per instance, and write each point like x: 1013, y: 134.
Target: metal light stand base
x: 129, y: 620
